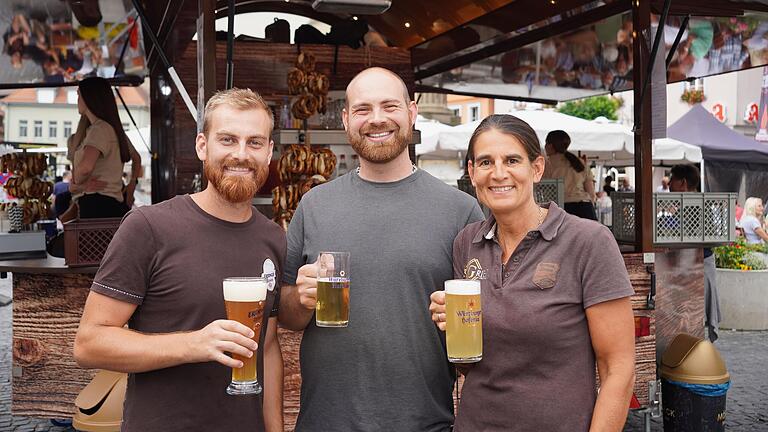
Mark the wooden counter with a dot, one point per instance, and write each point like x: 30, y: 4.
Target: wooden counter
x: 48, y: 299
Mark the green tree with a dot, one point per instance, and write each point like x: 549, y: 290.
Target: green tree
x: 591, y: 108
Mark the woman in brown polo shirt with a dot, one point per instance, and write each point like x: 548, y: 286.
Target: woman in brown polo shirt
x: 555, y: 298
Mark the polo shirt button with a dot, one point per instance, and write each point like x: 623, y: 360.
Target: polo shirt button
x: 515, y: 259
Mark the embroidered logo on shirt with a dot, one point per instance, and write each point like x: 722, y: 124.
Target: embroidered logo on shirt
x: 269, y: 273
x: 545, y: 275
x: 474, y: 271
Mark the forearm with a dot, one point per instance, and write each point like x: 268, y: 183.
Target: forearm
x: 122, y: 350
x: 293, y: 315
x: 273, y: 387
x: 610, y: 412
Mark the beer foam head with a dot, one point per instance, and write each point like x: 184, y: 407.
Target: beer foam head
x: 245, y: 289
x: 462, y: 287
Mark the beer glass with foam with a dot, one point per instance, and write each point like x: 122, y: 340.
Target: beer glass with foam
x: 244, y: 299
x: 463, y: 321
x: 332, y: 308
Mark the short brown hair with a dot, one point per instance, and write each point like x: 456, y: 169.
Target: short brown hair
x: 241, y: 99
x: 507, y: 125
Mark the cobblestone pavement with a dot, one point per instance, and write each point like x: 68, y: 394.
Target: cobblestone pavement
x: 745, y: 354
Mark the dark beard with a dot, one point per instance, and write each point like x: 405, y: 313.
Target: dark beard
x: 380, y: 152
x: 236, y: 189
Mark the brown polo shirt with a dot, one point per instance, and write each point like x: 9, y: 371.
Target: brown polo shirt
x: 538, y: 367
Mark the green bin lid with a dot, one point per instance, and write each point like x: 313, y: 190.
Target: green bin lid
x: 692, y: 360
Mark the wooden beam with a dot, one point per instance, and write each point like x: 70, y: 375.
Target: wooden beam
x: 641, y: 21
x: 206, y: 56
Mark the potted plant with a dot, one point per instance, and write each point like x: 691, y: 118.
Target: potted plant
x: 693, y: 95
x: 742, y: 283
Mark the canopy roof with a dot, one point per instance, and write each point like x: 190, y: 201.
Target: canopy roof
x: 718, y: 142
x: 605, y: 142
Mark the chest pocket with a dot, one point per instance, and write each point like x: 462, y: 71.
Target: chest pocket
x: 545, y: 275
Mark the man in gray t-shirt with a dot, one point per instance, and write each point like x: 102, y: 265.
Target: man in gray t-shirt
x: 386, y: 371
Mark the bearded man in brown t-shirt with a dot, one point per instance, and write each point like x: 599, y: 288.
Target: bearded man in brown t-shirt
x: 162, y: 276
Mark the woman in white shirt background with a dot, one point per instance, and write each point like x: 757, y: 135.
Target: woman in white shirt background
x: 752, y: 221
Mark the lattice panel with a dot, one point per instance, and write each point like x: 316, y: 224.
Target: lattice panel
x: 624, y: 211
x: 545, y: 192
x: 691, y: 222
x: 668, y: 218
x: 716, y: 218
x: 93, y: 244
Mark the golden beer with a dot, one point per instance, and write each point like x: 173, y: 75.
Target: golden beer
x: 463, y: 321
x: 332, y: 308
x: 244, y: 300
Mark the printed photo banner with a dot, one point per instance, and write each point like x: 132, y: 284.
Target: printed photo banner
x: 597, y: 58
x: 55, y: 41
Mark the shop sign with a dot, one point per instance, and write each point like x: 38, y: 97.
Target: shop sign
x: 751, y: 113
x: 718, y: 110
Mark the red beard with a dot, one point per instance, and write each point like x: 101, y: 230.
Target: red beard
x: 382, y: 152
x: 236, y: 189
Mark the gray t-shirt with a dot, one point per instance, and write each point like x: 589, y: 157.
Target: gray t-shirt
x: 386, y: 371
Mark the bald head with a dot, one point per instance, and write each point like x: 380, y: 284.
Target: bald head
x: 371, y: 78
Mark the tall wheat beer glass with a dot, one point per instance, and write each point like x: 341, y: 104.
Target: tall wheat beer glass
x: 244, y: 299
x: 332, y: 308
x: 463, y: 321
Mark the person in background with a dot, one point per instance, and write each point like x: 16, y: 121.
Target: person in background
x: 577, y: 177
x: 607, y: 185
x: 752, y: 221
x: 549, y: 314
x: 686, y: 178
x: 98, y: 150
x: 62, y: 197
x: 624, y: 185
x: 664, y: 185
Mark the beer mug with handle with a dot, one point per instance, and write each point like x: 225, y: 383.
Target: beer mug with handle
x: 332, y: 308
x: 244, y: 299
x: 463, y: 321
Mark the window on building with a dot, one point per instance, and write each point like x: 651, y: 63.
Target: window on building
x: 53, y: 128
x: 455, y: 110
x: 38, y: 128
x: 22, y: 128
x: 474, y: 113
x: 67, y: 129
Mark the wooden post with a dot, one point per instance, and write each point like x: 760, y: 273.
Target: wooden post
x: 206, y: 56
x: 641, y: 21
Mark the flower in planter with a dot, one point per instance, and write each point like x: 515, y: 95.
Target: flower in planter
x: 740, y: 256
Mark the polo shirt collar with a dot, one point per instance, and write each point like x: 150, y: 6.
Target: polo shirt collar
x: 548, y: 228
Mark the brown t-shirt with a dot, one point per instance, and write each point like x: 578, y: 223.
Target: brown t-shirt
x: 170, y: 260
x: 538, y: 366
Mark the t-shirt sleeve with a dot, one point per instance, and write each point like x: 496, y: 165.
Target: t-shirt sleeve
x: 279, y: 277
x: 458, y: 256
x: 604, y: 275
x: 125, y: 270
x: 101, y: 137
x: 476, y: 214
x: 295, y: 253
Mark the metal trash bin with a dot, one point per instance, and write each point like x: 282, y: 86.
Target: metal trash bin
x: 694, y: 382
